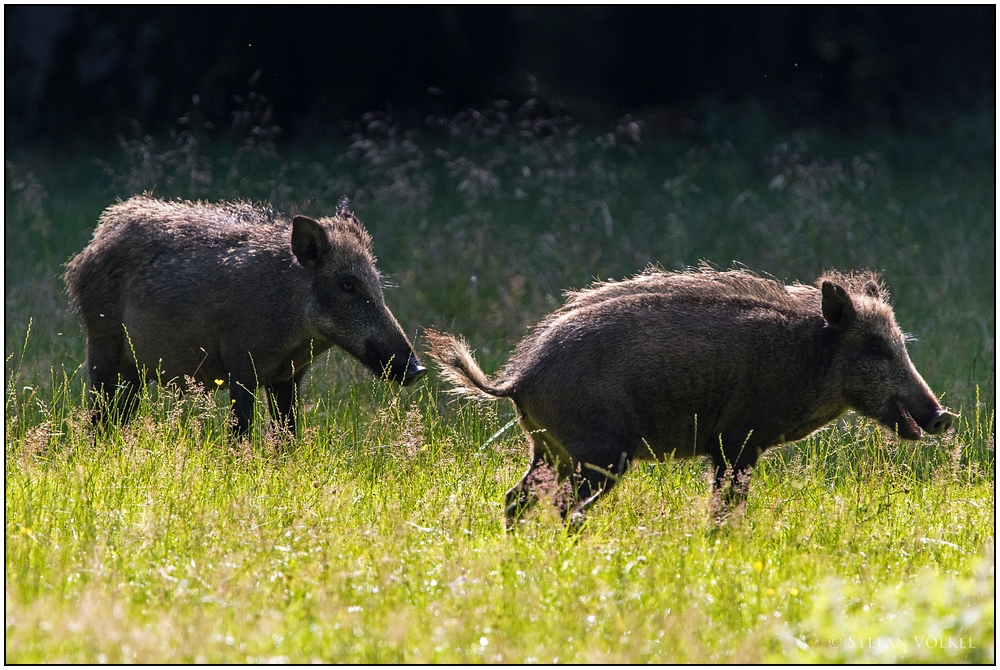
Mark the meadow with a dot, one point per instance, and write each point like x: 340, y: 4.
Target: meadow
x: 376, y: 536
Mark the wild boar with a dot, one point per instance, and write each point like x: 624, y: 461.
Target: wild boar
x: 702, y: 362
x: 228, y: 294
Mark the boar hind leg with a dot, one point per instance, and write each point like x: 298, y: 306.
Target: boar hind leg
x: 281, y: 398
x: 592, y: 479
x: 550, y: 466
x: 541, y: 477
x: 573, y: 488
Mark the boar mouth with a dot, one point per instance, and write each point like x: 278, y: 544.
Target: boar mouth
x: 899, y: 419
x: 404, y: 369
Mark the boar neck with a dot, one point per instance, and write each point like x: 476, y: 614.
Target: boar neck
x: 812, y: 394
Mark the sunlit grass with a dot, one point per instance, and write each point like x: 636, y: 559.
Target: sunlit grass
x: 381, y: 541
x: 376, y: 536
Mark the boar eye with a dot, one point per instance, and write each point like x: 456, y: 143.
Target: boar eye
x: 877, y: 349
x: 347, y: 285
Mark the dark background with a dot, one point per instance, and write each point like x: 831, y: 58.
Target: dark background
x: 84, y: 75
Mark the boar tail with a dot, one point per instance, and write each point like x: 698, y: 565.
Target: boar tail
x: 458, y: 366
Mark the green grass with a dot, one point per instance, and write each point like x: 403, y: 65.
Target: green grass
x: 376, y: 536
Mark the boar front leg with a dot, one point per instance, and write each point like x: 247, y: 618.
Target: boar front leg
x: 242, y: 395
x: 730, y: 490
x: 733, y: 461
x: 281, y: 396
x: 114, y: 378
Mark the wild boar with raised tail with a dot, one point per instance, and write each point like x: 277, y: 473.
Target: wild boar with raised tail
x: 696, y: 363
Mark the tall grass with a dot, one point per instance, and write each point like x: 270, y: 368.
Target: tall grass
x: 376, y: 536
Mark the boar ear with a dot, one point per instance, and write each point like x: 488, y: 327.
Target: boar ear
x: 838, y: 310
x: 309, y: 242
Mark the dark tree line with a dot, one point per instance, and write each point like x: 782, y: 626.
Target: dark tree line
x: 95, y: 71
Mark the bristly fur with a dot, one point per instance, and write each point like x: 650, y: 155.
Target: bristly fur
x: 699, y: 284
x: 344, y: 219
x: 738, y: 283
x: 860, y: 282
x: 133, y: 232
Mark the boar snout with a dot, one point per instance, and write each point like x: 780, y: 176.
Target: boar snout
x: 414, y: 371
x: 940, y: 423
x: 403, y: 367
x: 910, y: 424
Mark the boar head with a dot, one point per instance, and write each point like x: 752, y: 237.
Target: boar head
x: 346, y: 306
x: 873, y: 368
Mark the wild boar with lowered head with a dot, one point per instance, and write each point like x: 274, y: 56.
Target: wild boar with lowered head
x: 228, y: 294
x: 700, y: 362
